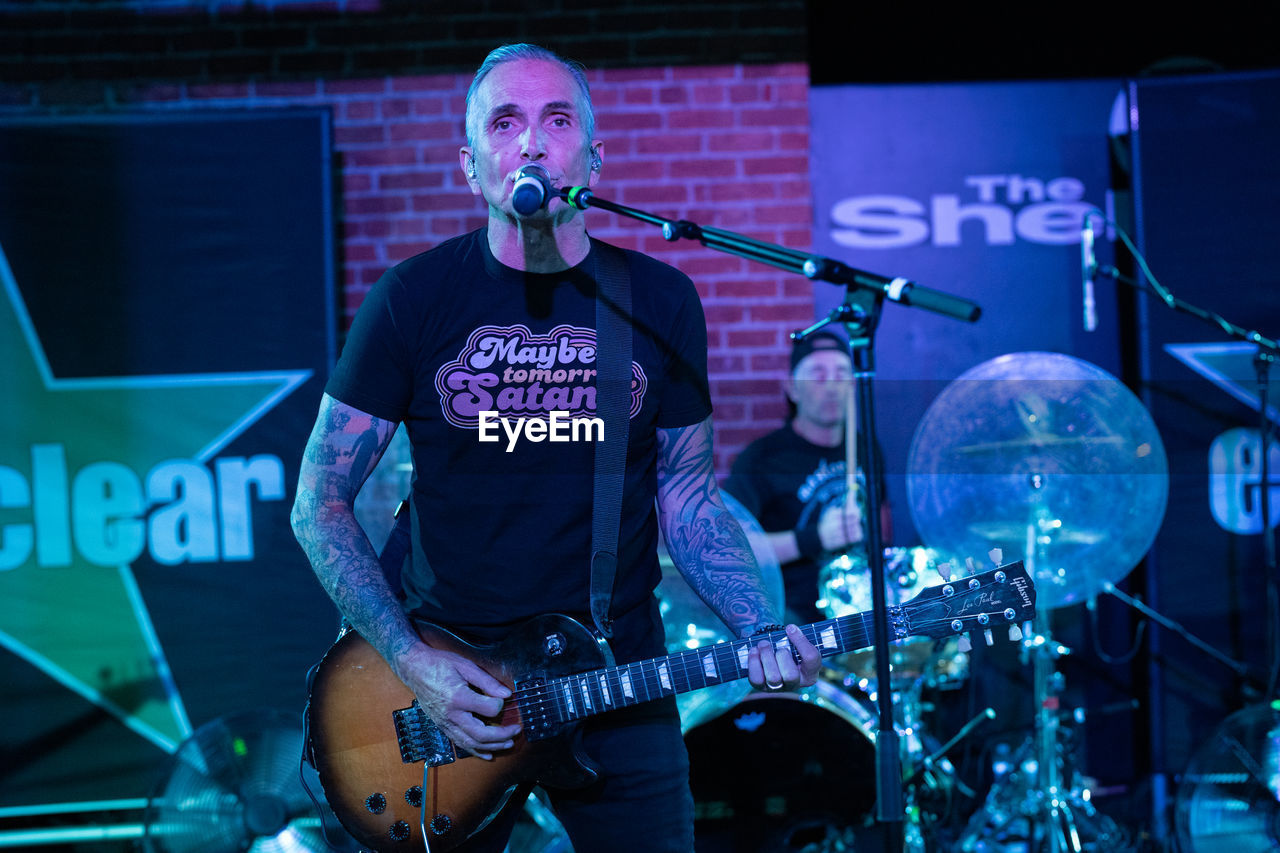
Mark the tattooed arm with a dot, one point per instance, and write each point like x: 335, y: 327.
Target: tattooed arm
x: 707, y: 545
x: 343, y: 449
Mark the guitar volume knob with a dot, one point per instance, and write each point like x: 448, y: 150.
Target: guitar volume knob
x: 375, y: 803
x: 399, y: 831
x: 441, y: 824
x: 413, y: 796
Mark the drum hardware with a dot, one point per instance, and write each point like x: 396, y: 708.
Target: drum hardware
x: 1049, y: 457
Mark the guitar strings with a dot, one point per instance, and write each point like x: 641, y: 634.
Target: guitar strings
x: 534, y: 698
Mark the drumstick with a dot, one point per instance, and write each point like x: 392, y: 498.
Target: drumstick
x: 851, y: 457
x: 850, y: 442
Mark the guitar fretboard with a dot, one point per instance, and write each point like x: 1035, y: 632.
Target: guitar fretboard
x: 569, y: 698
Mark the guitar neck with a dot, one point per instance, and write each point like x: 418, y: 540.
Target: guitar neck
x: 585, y: 694
x: 1001, y: 596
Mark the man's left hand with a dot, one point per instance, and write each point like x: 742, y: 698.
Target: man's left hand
x: 773, y: 668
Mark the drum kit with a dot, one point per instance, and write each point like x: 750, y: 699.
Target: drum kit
x: 1039, y: 456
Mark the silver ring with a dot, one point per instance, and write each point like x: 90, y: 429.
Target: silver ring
x: 773, y: 687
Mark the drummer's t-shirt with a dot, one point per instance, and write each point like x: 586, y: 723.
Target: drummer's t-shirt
x: 786, y: 482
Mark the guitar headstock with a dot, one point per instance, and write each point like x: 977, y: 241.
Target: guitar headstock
x: 997, y: 597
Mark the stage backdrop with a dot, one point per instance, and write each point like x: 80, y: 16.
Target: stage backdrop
x: 166, y: 324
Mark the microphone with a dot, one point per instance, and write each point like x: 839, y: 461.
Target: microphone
x: 532, y: 190
x: 1088, y: 269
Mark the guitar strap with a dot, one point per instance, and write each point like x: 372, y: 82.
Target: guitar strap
x: 613, y: 407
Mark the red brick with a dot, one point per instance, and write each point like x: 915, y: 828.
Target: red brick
x: 793, y: 313
x: 723, y: 315
x: 747, y: 288
x: 299, y: 89
x: 676, y: 143
x: 775, y: 117
x: 791, y: 165
x: 709, y: 118
x: 778, y: 71
x: 374, y: 204
x: 410, y: 180
x: 359, y: 111
x: 428, y: 106
x: 703, y: 168
x: 714, y: 93
x: 655, y: 194
x: 381, y: 157
x: 708, y: 72
x: 430, y: 82
x: 716, y: 263
x: 406, y: 131
x: 370, y: 86
x: 218, y: 90
x: 363, y: 134
x: 740, y: 389
x: 409, y: 227
x: 753, y: 191
x: 741, y: 140
x: 443, y: 201
x: 356, y: 182
x: 783, y: 214
x: 637, y: 170
x: 634, y: 121
x: 639, y: 95
x: 771, y: 362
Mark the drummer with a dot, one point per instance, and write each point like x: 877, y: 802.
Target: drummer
x: 793, y: 479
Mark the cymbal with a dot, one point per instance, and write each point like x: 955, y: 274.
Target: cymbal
x: 1050, y: 459
x: 1004, y: 531
x: 1051, y: 442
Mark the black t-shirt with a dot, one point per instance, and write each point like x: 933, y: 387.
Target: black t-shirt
x: 786, y: 482
x: 503, y: 530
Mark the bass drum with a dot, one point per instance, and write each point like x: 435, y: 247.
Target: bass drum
x: 785, y: 772
x: 688, y: 623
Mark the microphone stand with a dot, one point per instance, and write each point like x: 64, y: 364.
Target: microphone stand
x: 860, y: 313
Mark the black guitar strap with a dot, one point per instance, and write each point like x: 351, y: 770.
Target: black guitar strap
x: 613, y: 407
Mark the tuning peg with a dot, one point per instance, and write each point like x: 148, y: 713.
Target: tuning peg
x: 1015, y: 634
x: 991, y: 641
x: 963, y: 644
x: 996, y: 555
x: 944, y: 570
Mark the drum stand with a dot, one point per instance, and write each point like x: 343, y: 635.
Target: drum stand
x: 1038, y: 801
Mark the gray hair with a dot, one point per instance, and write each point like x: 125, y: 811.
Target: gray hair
x: 513, y: 52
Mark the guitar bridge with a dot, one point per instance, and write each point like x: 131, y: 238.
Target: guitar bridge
x: 420, y: 739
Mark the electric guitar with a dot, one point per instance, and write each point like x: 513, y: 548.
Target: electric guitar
x: 371, y: 743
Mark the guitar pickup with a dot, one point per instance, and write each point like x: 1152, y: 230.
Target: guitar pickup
x: 420, y: 739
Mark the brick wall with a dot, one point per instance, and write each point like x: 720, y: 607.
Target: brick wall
x: 724, y: 146
x: 71, y: 42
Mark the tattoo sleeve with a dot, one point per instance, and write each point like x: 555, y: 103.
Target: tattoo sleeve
x: 344, y: 447
x: 705, y: 541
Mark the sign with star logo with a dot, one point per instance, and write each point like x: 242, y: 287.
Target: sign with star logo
x: 166, y: 325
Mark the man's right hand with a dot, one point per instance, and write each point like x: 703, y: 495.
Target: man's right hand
x: 840, y: 526
x: 459, y: 697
